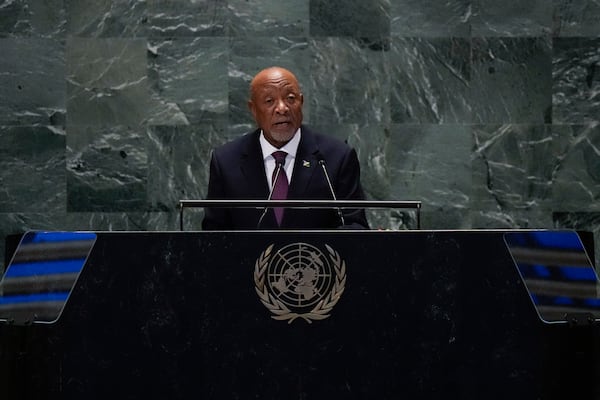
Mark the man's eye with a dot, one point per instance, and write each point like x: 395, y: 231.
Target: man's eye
x: 269, y: 101
x: 291, y: 99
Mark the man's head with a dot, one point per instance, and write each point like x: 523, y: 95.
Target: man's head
x: 276, y: 104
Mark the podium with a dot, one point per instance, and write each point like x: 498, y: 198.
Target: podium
x: 226, y: 315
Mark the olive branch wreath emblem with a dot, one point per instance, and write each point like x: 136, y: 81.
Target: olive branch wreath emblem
x: 282, y: 313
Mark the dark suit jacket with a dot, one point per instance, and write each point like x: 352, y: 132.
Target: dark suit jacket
x: 237, y: 172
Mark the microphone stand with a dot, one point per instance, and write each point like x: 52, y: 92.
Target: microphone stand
x: 339, y: 210
x: 279, y: 166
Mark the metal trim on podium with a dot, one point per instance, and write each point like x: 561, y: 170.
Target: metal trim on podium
x: 331, y: 204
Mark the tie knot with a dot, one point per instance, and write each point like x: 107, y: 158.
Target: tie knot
x: 279, y: 157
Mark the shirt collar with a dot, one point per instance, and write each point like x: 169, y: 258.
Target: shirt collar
x: 290, y: 147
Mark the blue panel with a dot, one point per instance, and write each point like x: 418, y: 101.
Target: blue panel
x: 578, y: 274
x: 45, y: 268
x: 563, y: 301
x: 556, y: 272
x: 541, y: 271
x: 34, y: 298
x: 558, y: 240
x: 52, y: 237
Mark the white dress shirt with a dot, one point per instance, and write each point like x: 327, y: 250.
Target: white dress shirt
x: 268, y: 149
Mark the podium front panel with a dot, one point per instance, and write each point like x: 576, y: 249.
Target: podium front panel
x: 307, y: 315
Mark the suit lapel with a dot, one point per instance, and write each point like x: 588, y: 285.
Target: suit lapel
x: 253, y: 168
x: 305, y: 164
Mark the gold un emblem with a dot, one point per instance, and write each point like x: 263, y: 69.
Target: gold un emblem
x: 299, y: 281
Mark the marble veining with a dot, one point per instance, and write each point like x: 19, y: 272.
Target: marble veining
x: 486, y: 111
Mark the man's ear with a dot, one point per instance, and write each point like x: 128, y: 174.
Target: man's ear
x: 252, y: 108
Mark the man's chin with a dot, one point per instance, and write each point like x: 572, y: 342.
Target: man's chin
x: 282, y: 135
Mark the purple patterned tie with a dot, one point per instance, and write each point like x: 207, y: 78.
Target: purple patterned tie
x: 280, y: 187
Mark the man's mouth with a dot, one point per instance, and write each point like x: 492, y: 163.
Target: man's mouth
x: 282, y: 123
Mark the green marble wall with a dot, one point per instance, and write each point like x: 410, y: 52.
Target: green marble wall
x: 486, y: 111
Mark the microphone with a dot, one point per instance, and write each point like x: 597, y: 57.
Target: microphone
x: 322, y: 164
x: 279, y: 166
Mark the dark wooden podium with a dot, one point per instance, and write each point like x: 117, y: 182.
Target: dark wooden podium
x: 414, y: 315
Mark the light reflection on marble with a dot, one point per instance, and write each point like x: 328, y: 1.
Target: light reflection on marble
x: 576, y: 80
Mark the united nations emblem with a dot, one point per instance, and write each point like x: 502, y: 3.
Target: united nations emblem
x: 300, y: 281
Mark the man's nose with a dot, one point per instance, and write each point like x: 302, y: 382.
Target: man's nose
x: 282, y: 107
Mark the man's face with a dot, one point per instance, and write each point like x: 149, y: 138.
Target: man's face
x: 276, y: 104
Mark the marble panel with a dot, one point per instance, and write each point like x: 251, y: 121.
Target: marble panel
x: 32, y: 169
x: 576, y: 18
x: 180, y: 158
x: 417, y: 18
x: 512, y: 219
x: 349, y: 82
x: 511, y: 18
x: 106, y: 18
x: 32, y: 18
x: 355, y: 18
x: 431, y: 163
x: 268, y: 17
x: 511, y: 80
x: 430, y: 80
x: 175, y: 18
x: 107, y: 169
x: 189, y: 81
x: 514, y: 167
x: 447, y: 217
x: 576, y: 185
x: 107, y: 82
x: 32, y: 87
x: 576, y: 80
x: 249, y: 55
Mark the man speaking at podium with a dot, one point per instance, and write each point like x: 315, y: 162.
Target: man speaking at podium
x: 282, y: 159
